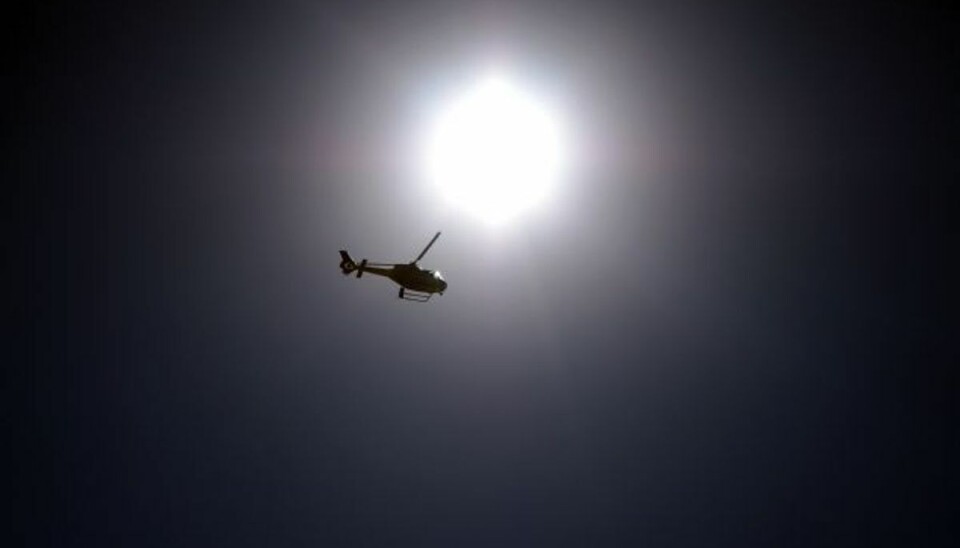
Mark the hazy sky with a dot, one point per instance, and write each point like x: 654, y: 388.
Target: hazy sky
x: 723, y: 328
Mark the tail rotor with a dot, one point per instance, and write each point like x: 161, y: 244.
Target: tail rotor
x: 347, y: 265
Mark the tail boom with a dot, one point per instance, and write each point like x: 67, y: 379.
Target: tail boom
x: 348, y: 266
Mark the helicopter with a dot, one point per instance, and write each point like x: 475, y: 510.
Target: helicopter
x: 416, y: 284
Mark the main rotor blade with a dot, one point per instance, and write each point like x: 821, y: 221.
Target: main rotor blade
x: 424, y: 252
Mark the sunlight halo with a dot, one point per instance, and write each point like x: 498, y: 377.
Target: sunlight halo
x: 494, y: 151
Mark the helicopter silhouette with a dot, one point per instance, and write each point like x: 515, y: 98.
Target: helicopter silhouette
x: 416, y: 284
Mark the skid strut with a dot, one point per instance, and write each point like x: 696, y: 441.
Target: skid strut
x: 415, y: 296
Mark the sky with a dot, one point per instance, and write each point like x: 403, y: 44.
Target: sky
x: 731, y: 323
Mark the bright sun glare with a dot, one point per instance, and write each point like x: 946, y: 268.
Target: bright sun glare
x: 494, y: 151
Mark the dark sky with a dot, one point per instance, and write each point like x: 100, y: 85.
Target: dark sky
x: 731, y: 326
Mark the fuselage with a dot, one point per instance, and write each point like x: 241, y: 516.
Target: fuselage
x: 411, y: 277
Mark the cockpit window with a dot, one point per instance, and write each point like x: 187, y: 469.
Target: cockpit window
x: 436, y: 274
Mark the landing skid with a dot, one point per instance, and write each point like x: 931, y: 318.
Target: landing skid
x: 415, y: 296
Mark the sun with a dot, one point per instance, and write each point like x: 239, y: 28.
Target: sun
x: 494, y: 151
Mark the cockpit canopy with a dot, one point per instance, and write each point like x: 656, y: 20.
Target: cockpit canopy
x: 437, y: 275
